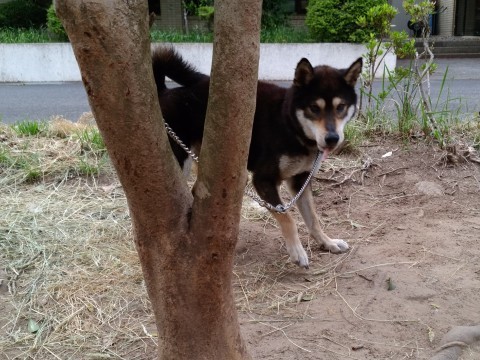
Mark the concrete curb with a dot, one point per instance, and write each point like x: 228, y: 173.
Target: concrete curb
x: 55, y: 62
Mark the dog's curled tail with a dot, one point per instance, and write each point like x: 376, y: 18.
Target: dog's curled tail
x: 167, y: 62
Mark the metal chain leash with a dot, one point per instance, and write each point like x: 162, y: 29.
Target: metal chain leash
x: 280, y: 208
x: 180, y: 142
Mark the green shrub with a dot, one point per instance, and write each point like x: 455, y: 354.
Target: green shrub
x: 22, y: 14
x: 206, y: 12
x: 274, y: 14
x: 54, y: 24
x: 193, y: 6
x: 337, y: 20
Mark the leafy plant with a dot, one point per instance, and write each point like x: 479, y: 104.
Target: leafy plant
x: 381, y: 41
x: 22, y: 14
x: 409, y: 87
x: 337, y: 20
x: 274, y: 14
x: 207, y: 13
x: 192, y: 6
x: 29, y: 128
x: 423, y: 64
x: 86, y: 167
x: 54, y: 24
x: 91, y: 140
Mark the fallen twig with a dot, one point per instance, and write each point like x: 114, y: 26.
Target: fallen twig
x: 391, y: 171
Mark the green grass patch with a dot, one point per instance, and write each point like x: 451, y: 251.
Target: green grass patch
x: 21, y: 36
x: 273, y: 35
x: 24, y: 164
x: 6, y: 158
x: 91, y: 140
x: 354, y: 136
x: 91, y: 166
x: 178, y: 37
x: 29, y: 128
x: 476, y: 136
x: 286, y: 35
x: 55, y: 150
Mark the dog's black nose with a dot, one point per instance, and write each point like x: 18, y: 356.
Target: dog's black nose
x: 332, y: 139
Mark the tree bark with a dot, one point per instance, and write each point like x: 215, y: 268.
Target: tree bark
x: 185, y: 242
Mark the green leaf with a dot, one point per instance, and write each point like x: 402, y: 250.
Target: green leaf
x: 307, y: 297
x: 390, y: 285
x: 33, y: 326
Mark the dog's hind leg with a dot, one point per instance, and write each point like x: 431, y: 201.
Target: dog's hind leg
x: 307, y: 209
x: 189, y: 162
x: 187, y: 167
x: 184, y: 160
x: 268, y: 191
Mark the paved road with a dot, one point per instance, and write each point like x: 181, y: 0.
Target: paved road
x: 41, y: 101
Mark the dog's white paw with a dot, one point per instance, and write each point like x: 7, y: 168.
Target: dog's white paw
x: 337, y: 246
x: 298, y: 256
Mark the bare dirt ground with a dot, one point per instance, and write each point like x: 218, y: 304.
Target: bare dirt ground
x: 413, y: 271
x: 412, y: 220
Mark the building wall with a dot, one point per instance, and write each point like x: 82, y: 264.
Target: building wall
x: 400, y: 20
x: 446, y: 18
x: 171, y: 17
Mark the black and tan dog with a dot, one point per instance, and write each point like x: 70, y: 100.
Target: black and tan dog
x: 290, y: 126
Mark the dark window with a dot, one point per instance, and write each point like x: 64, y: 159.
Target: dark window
x: 301, y: 6
x: 467, y: 19
x: 154, y: 6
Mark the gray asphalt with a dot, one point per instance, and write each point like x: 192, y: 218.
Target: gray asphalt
x: 41, y: 101
x: 36, y: 101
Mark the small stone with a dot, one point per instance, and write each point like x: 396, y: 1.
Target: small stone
x: 429, y: 188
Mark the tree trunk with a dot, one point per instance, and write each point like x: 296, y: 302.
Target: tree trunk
x: 185, y: 242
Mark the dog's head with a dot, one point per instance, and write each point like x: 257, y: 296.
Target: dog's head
x: 324, y: 100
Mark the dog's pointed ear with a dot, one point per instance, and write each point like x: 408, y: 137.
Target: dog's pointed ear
x: 303, y: 73
x: 353, y: 72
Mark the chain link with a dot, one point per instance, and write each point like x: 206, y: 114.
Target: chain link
x: 180, y: 142
x: 280, y: 208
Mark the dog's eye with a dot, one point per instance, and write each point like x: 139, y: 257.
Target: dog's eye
x: 314, y: 108
x: 341, y: 108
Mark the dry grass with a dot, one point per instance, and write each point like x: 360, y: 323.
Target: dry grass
x: 71, y: 266
x: 75, y: 288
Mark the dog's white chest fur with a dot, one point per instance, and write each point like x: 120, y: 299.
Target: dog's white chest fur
x: 293, y: 165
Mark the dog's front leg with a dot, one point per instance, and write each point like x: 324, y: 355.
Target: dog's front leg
x: 295, y: 249
x: 307, y: 209
x: 268, y: 191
